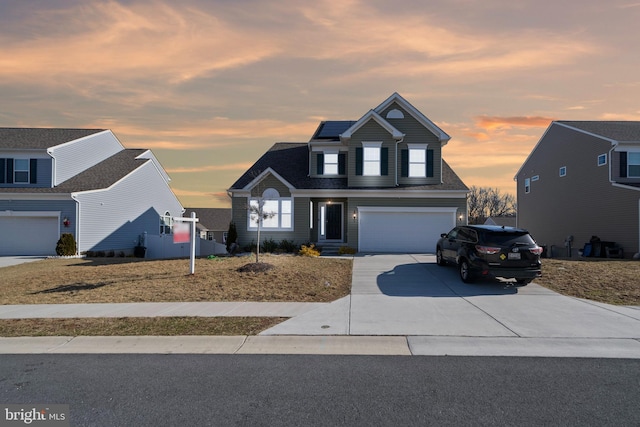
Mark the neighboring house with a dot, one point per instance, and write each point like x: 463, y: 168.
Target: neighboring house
x: 377, y: 184
x: 213, y: 223
x: 83, y: 182
x: 582, y: 179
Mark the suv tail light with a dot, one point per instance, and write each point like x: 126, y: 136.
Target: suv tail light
x: 487, y: 250
x: 536, y: 251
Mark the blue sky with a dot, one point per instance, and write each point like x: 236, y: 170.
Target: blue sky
x: 210, y: 85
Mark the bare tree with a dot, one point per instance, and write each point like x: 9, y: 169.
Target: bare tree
x: 486, y: 201
x: 258, y: 212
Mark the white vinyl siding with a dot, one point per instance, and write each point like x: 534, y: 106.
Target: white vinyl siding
x: 76, y: 156
x: 113, y: 218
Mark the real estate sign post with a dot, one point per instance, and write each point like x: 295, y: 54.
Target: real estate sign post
x: 184, y: 232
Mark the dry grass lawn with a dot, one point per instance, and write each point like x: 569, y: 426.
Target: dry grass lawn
x: 95, y: 280
x: 605, y: 280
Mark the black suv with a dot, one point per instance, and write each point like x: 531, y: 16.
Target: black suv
x: 490, y: 251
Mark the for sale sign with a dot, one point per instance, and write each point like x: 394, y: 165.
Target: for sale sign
x: 181, y: 232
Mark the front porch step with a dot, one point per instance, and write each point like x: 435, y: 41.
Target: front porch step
x: 330, y: 249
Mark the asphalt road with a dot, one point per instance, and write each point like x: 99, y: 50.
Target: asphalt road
x: 288, y: 390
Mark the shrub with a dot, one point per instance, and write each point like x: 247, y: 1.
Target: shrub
x: 66, y: 245
x: 309, y: 250
x: 346, y: 250
x: 288, y: 246
x: 269, y: 246
x: 251, y: 247
x: 232, y: 235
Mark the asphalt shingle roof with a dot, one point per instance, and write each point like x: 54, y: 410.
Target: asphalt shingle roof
x: 621, y: 131
x: 40, y: 138
x: 213, y: 219
x: 102, y: 175
x: 291, y: 161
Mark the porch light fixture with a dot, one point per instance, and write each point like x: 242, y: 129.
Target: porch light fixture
x: 66, y: 222
x: 355, y: 215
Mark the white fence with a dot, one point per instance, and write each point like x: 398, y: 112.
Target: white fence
x: 162, y: 246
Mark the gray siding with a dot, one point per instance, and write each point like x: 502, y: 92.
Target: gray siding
x: 583, y: 203
x: 270, y: 181
x: 74, y: 157
x: 114, y: 218
x: 354, y: 203
x: 371, y: 132
x: 300, y: 233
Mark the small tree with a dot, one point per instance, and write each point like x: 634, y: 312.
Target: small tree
x: 232, y: 235
x: 66, y: 245
x: 258, y: 214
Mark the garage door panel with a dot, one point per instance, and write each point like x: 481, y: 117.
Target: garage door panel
x: 409, y: 232
x: 25, y: 235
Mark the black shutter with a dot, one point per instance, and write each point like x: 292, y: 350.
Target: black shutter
x: 320, y: 163
x: 9, y: 171
x: 623, y: 164
x: 384, y: 161
x: 342, y: 164
x: 33, y: 171
x: 358, y: 160
x: 404, y: 162
x: 3, y: 173
x: 429, y: 163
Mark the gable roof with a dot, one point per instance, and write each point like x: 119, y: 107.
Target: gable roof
x: 100, y: 176
x: 614, y: 131
x: 372, y: 115
x: 40, y: 138
x: 291, y: 162
x: 212, y: 219
x: 421, y: 118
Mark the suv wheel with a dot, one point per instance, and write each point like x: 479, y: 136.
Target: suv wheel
x: 523, y: 282
x: 465, y: 271
x: 439, y: 260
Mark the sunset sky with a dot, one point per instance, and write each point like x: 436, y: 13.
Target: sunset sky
x: 210, y: 85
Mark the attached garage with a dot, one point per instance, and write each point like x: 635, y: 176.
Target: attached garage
x: 28, y: 233
x: 397, y: 229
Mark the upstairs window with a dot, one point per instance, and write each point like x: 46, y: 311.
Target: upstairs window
x: 527, y: 185
x: 18, y: 171
x: 416, y: 161
x: 331, y: 163
x: 371, y: 159
x: 21, y: 171
x: 563, y: 171
x: 633, y: 165
x: 602, y: 159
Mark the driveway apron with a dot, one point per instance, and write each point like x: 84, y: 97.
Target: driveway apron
x: 408, y: 294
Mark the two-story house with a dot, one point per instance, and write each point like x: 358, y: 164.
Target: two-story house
x: 377, y: 184
x: 582, y: 179
x: 83, y: 182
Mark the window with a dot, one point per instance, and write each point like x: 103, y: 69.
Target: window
x: 535, y: 178
x: 224, y: 236
x: 527, y: 185
x: 633, y: 165
x: 166, y: 222
x: 417, y: 161
x: 21, y: 171
x: 371, y: 159
x: 602, y: 159
x: 331, y: 163
x: 277, y: 212
x: 563, y: 171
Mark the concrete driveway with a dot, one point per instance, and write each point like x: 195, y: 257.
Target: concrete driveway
x: 6, y: 261
x: 410, y: 295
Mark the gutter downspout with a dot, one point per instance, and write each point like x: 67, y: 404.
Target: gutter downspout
x: 77, y: 226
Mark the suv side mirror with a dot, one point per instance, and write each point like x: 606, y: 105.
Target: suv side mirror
x: 443, y: 235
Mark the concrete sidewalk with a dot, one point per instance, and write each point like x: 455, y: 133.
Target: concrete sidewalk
x: 399, y: 304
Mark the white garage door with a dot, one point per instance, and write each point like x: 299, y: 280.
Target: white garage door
x: 27, y: 235
x: 410, y: 230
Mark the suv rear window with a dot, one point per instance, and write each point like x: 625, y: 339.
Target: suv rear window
x: 508, y: 239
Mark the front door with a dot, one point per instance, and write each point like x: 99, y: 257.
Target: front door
x: 330, y: 219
